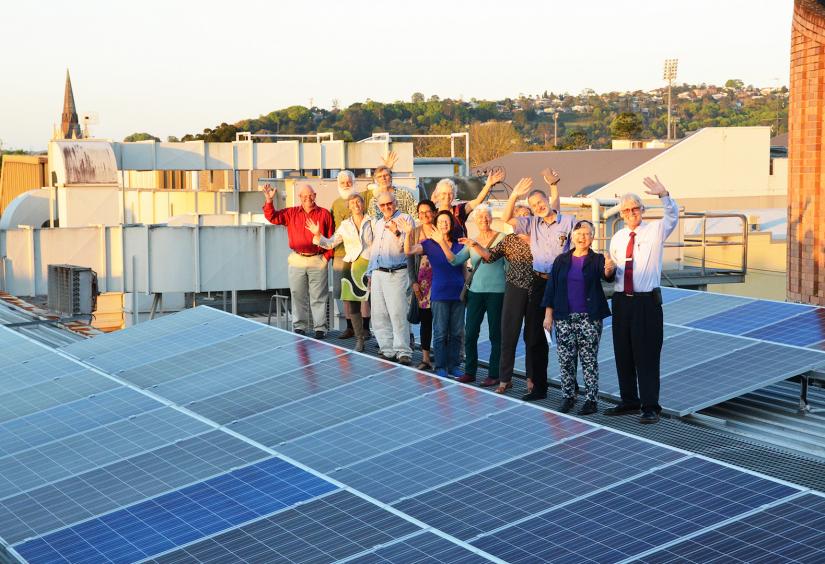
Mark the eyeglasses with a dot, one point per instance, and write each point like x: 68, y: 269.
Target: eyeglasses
x: 636, y: 209
x: 425, y: 212
x: 385, y: 204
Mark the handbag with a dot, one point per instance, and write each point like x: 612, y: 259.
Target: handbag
x: 414, y: 312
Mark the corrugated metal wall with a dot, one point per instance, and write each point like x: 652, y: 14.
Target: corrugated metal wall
x: 21, y: 173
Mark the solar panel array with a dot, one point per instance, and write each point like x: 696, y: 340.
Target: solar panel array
x: 716, y: 347
x: 206, y: 437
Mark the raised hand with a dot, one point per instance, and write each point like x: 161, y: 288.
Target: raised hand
x: 313, y: 227
x: 465, y: 241
x: 390, y: 160
x: 404, y: 224
x: 654, y: 187
x: 551, y: 176
x: 437, y: 236
x: 269, y: 192
x: 609, y: 265
x: 495, y: 176
x: 522, y: 187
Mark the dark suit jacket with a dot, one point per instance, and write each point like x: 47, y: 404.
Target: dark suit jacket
x: 555, y: 293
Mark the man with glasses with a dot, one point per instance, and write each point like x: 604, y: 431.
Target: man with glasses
x: 549, y: 233
x: 638, y: 324
x: 308, y: 279
x: 389, y: 282
x: 382, y: 176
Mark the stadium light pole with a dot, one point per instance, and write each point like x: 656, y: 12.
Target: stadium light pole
x: 670, y: 76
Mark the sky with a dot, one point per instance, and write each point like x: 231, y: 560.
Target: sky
x: 176, y: 66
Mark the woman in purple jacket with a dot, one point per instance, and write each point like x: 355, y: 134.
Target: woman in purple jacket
x: 576, y: 303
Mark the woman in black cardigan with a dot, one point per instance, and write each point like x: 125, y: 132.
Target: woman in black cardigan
x: 576, y: 303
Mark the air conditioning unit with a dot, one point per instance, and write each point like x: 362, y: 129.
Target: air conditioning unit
x: 72, y: 289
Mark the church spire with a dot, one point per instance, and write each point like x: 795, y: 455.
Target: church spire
x: 69, y: 126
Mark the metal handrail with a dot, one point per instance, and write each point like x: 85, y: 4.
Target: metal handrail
x: 702, y: 240
x: 280, y: 310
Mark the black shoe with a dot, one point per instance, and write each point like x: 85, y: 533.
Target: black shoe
x: 649, y: 416
x: 300, y: 332
x: 320, y: 335
x: 567, y: 404
x: 621, y: 409
x: 588, y: 408
x: 534, y: 395
x: 405, y: 360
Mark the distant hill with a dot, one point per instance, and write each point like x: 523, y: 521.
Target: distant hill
x: 584, y: 120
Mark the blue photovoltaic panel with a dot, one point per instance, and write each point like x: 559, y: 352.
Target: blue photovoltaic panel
x: 456, y: 407
x: 750, y: 316
x: 793, y: 531
x: 327, y: 408
x: 81, y: 497
x: 325, y: 378
x: 98, y: 447
x: 281, y: 381
x: 454, y: 454
x: 734, y: 374
x: 194, y: 512
x: 70, y: 418
x: 54, y: 392
x: 635, y: 516
x: 700, y: 305
x: 223, y: 355
x: 802, y: 330
x: 138, y: 335
x: 423, y: 547
x: 326, y: 529
x: 116, y: 476
x: 517, y: 489
x: 209, y: 332
x: 674, y: 294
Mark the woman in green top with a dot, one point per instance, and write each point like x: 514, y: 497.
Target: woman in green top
x: 485, y: 295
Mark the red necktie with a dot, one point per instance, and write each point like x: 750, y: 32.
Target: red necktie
x: 628, y: 265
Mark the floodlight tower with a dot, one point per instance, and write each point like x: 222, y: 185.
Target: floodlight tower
x: 670, y: 76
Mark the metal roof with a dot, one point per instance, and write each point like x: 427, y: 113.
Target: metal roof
x: 582, y: 172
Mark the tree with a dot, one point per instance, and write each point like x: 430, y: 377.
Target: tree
x: 140, y: 137
x: 626, y: 125
x: 172, y: 139
x: 492, y: 140
x: 417, y: 97
x: 576, y: 139
x: 734, y: 83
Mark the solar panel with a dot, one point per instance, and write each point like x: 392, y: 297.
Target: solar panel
x: 747, y: 317
x: 281, y: 448
x: 790, y: 531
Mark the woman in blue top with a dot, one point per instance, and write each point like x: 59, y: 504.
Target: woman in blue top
x: 576, y: 303
x: 445, y: 293
x: 485, y: 296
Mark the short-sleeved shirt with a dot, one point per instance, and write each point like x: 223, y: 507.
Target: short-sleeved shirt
x: 547, y: 240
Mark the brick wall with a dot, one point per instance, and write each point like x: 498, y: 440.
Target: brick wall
x: 806, y: 175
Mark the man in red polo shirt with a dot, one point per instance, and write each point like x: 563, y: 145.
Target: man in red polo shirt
x: 308, y: 279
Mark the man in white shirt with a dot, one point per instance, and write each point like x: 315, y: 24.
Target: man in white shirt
x: 638, y: 324
x: 389, y: 282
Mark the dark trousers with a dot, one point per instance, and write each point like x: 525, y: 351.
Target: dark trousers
x: 426, y: 329
x: 520, y: 304
x: 479, y: 303
x: 638, y: 332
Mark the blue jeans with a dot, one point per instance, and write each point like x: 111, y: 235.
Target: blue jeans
x: 448, y: 320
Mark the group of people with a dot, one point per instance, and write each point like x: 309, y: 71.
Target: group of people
x: 544, y: 277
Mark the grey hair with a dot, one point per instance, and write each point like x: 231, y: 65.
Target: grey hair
x: 345, y: 174
x: 631, y: 197
x: 538, y: 191
x: 482, y: 208
x: 387, y: 193
x: 445, y: 183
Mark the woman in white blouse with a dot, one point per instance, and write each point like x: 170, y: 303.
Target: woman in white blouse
x: 356, y: 235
